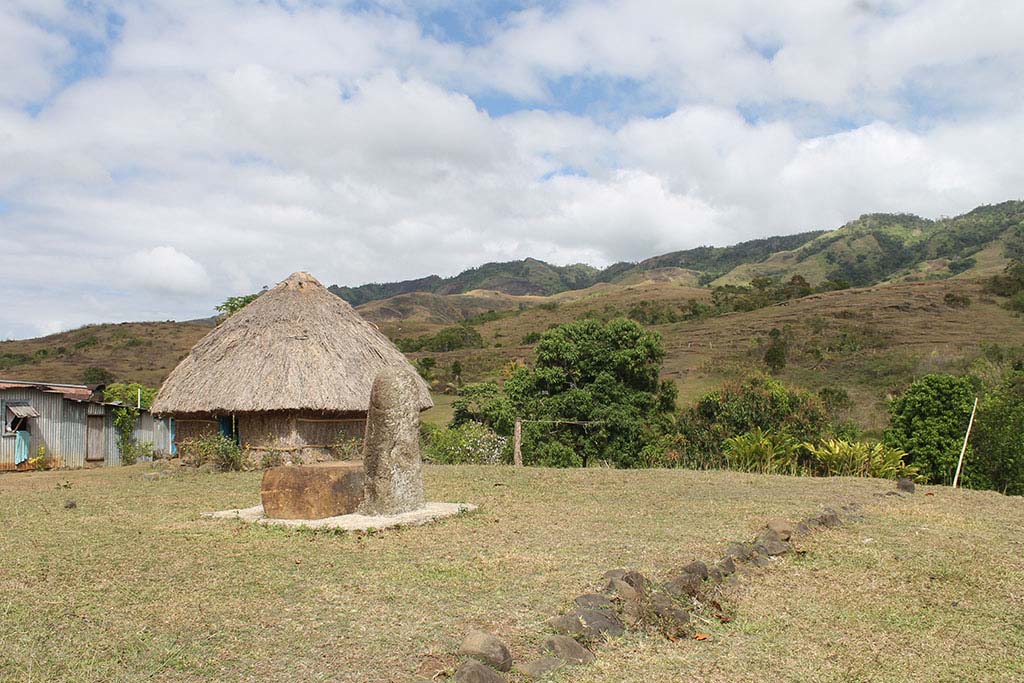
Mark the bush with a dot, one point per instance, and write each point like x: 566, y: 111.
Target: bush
x: 132, y: 452
x: 763, y: 452
x: 94, y: 375
x: 216, y: 449
x: 469, y: 443
x: 997, y: 459
x: 839, y: 458
x: 347, y: 447
x: 928, y: 422
x: 759, y: 403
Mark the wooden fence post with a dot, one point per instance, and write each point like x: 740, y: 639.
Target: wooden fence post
x: 517, y: 444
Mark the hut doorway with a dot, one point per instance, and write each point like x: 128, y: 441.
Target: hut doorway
x: 94, y: 441
x: 228, y: 427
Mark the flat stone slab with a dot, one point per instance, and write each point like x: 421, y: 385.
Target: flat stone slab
x: 317, y: 491
x: 352, y: 522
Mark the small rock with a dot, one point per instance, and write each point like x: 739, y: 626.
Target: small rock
x: 568, y: 649
x: 781, y: 527
x: 685, y: 584
x: 829, y: 519
x: 740, y: 551
x: 672, y: 621
x: 905, y: 484
x: 593, y: 601
x: 625, y: 592
x: 760, y: 561
x: 715, y: 574
x: 697, y: 568
x: 587, y: 623
x: 802, y: 528
x: 70, y: 504
x: 772, y: 548
x: 539, y: 668
x: 613, y: 574
x: 636, y: 580
x: 473, y: 671
x: 487, y: 649
x: 727, y: 566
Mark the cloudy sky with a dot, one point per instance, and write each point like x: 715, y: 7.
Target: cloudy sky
x: 157, y: 156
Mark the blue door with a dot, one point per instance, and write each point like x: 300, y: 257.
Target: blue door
x: 21, y: 442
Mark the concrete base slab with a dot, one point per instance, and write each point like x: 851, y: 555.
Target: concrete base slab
x: 353, y: 522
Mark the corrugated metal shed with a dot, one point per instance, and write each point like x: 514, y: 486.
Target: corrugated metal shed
x: 64, y: 418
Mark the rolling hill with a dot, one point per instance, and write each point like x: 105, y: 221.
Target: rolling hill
x: 922, y: 309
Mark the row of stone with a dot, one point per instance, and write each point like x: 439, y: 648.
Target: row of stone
x: 631, y: 601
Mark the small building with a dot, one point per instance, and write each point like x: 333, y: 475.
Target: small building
x: 69, y: 424
x: 290, y: 373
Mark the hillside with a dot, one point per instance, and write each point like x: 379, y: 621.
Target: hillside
x: 928, y: 312
x: 880, y: 247
x: 871, y: 249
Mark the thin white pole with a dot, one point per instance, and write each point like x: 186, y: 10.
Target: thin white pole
x: 963, y: 449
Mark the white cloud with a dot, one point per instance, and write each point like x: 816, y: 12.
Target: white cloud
x: 164, y: 269
x: 226, y: 144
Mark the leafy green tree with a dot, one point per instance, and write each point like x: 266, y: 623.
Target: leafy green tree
x: 997, y: 457
x: 775, y: 355
x: 486, y: 403
x: 928, y: 421
x: 233, y: 304
x: 128, y: 394
x: 738, y: 408
x: 425, y: 366
x: 93, y: 375
x: 595, y: 394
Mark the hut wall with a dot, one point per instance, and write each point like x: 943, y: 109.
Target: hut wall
x: 303, y: 436
x: 59, y: 429
x: 186, y: 428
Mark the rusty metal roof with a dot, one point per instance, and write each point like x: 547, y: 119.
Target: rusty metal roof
x: 75, y: 392
x: 23, y: 411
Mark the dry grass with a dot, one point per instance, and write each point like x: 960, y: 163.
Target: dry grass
x: 133, y: 585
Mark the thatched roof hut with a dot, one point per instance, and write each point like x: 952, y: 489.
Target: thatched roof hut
x: 295, y: 354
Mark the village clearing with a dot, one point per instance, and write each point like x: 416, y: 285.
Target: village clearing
x: 132, y: 584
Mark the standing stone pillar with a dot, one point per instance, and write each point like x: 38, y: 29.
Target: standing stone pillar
x: 391, y: 448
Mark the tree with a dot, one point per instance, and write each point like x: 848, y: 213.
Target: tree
x: 233, y: 304
x: 758, y: 403
x: 775, y: 355
x: 128, y: 394
x: 93, y: 375
x: 596, y: 386
x: 928, y: 421
x: 997, y: 458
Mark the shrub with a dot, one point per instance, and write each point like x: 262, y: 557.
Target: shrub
x: 93, y: 375
x: 928, y: 422
x: 997, y: 459
x: 759, y: 403
x: 839, y: 458
x: 132, y: 452
x: 775, y: 355
x: 347, y: 447
x: 954, y: 300
x: 271, y: 458
x: 216, y: 449
x: 763, y: 452
x: 469, y: 443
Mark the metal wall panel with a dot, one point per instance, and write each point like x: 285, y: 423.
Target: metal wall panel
x: 61, y: 429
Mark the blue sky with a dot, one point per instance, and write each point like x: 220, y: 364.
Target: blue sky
x: 167, y: 154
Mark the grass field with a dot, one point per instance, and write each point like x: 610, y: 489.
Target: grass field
x: 133, y: 585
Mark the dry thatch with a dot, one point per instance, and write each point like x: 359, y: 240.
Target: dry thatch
x: 296, y: 347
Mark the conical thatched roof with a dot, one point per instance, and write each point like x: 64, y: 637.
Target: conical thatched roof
x: 296, y: 347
